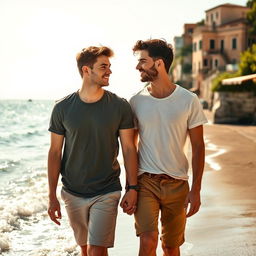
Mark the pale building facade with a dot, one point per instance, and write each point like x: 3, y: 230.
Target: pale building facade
x: 217, y: 45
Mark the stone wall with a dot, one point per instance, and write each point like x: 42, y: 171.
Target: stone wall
x: 234, y: 108
x: 205, y: 90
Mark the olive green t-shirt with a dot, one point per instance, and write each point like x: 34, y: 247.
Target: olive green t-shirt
x: 89, y: 165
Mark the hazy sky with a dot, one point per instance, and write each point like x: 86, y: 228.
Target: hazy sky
x: 40, y: 38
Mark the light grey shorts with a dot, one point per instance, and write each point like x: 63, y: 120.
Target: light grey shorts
x: 93, y: 220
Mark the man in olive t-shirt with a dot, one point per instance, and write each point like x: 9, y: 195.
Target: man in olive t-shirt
x: 88, y: 122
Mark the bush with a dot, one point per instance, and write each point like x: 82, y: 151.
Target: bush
x: 216, y: 83
x: 246, y: 86
x: 247, y: 64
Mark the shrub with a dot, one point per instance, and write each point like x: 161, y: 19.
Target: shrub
x: 216, y: 83
x: 246, y: 86
x: 247, y: 64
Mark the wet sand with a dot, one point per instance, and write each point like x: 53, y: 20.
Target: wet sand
x: 226, y: 223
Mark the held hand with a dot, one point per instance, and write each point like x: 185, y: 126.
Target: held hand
x: 129, y: 202
x: 193, y: 199
x: 54, y: 211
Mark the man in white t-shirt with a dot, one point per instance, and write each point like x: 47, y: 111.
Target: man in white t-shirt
x: 165, y: 114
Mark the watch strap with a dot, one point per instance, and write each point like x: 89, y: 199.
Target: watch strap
x: 135, y: 187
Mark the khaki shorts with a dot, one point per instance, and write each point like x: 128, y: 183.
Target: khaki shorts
x: 161, y: 193
x: 93, y: 220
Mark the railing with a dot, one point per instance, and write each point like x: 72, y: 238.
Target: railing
x: 222, y: 53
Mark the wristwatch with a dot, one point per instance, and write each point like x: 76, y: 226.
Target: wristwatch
x: 135, y: 187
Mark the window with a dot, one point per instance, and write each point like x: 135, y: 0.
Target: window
x: 212, y: 44
x: 221, y: 45
x: 211, y: 17
x: 205, y: 62
x: 206, y: 17
x: 217, y: 15
x: 190, y: 31
x: 214, y: 25
x: 216, y: 63
x: 234, y: 44
x: 199, y: 65
x: 200, y: 45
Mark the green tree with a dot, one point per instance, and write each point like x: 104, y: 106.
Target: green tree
x: 250, y: 3
x: 201, y: 23
x: 251, y: 17
x: 247, y: 64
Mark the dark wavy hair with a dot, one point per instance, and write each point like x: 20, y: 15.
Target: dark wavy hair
x: 157, y: 49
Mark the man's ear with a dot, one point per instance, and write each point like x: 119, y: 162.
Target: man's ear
x: 159, y: 63
x: 85, y: 69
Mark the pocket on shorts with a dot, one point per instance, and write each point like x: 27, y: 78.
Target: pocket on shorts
x: 63, y: 194
x: 68, y: 198
x: 109, y: 201
x: 140, y: 178
x: 182, y: 189
x: 115, y: 196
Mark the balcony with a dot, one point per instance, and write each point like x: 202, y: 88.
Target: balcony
x: 211, y: 52
x: 221, y: 53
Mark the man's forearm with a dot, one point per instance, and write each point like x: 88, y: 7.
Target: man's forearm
x: 54, y: 163
x: 198, y: 158
x: 131, y: 165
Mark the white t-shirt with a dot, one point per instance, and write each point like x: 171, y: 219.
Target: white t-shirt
x: 163, y: 128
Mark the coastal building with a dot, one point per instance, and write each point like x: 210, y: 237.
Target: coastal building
x: 217, y: 44
x: 182, y: 68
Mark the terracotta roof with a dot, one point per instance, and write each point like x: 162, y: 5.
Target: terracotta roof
x: 238, y: 80
x: 227, y: 5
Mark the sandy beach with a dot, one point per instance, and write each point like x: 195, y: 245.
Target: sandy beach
x: 226, y: 223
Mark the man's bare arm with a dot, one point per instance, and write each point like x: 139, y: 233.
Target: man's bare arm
x: 131, y: 166
x: 54, y: 164
x: 198, y: 158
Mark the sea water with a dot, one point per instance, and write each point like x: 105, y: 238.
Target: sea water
x: 25, y: 228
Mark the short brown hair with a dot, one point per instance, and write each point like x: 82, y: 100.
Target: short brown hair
x: 157, y: 49
x: 88, y: 56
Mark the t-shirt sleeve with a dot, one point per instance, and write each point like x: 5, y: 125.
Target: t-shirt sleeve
x: 56, y: 121
x: 196, y: 116
x: 126, y: 116
x: 135, y: 120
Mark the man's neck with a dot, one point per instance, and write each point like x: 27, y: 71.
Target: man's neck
x: 91, y: 94
x: 161, y: 88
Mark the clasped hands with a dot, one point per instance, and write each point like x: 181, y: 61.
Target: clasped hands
x: 129, y: 202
